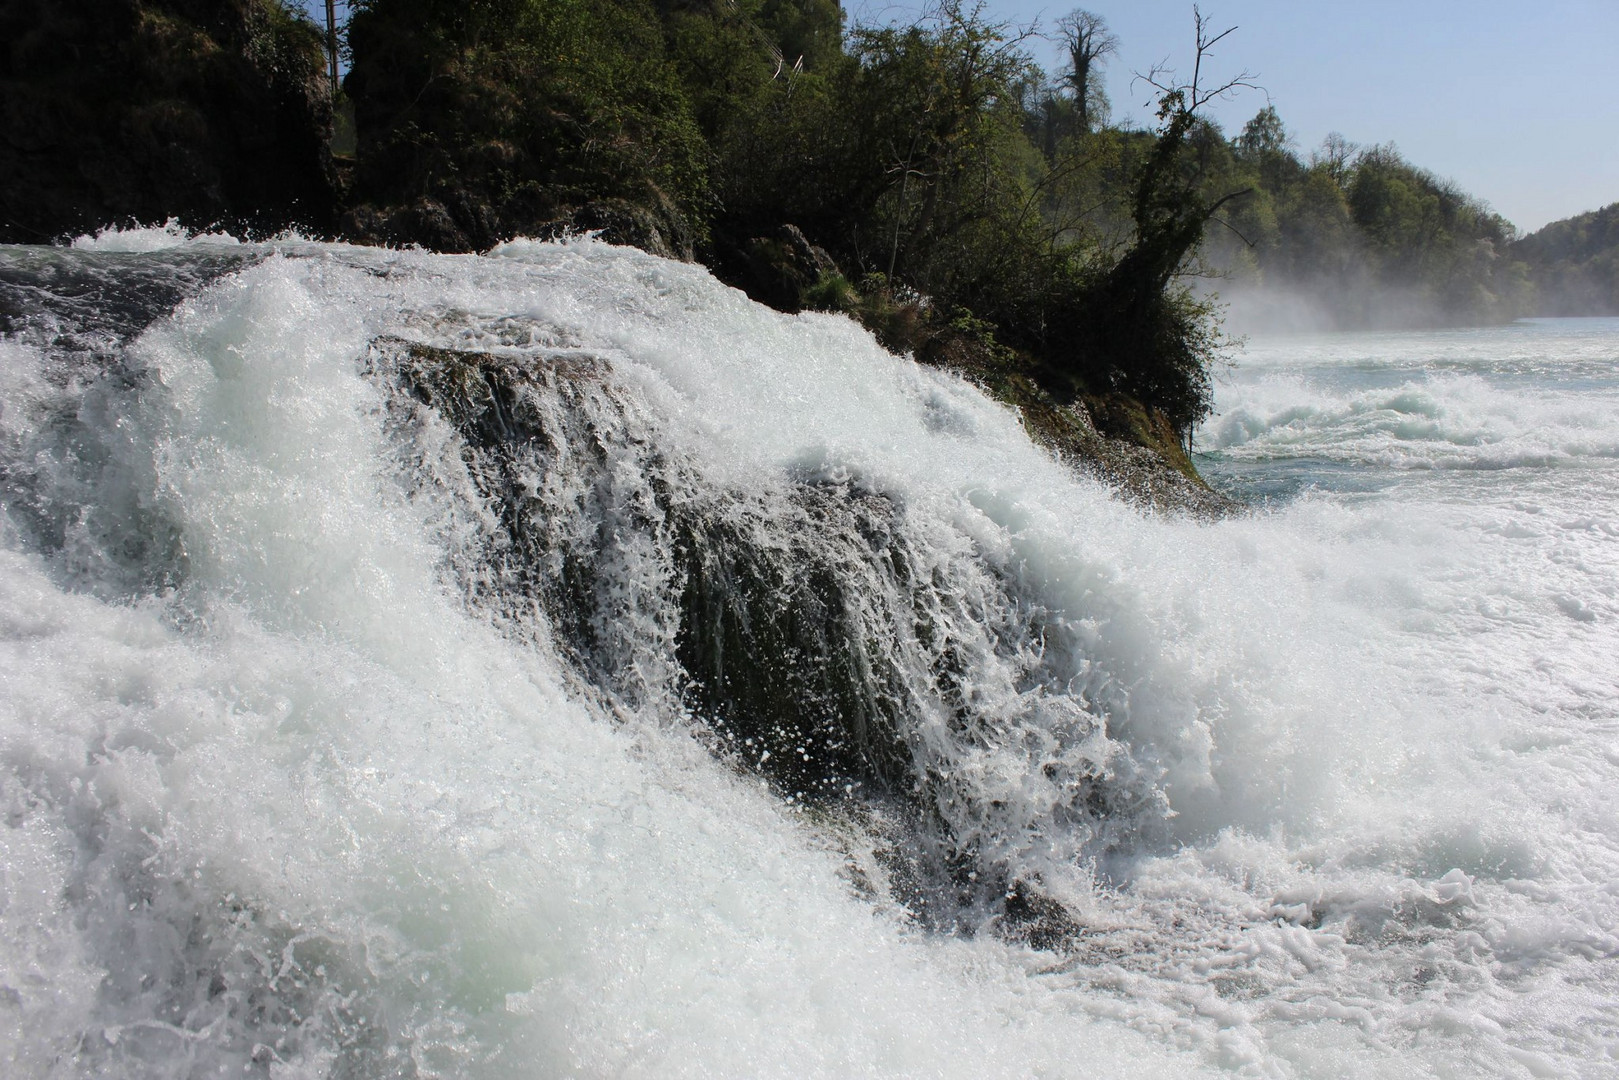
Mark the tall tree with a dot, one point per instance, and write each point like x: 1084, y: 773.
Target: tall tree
x: 1156, y: 336
x: 1089, y: 42
x: 1264, y: 134
x: 1335, y: 155
x: 331, y: 43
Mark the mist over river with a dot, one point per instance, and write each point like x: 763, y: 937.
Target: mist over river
x: 551, y: 663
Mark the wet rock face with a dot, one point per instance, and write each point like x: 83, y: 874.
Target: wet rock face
x: 813, y: 632
x: 768, y: 620
x: 213, y: 112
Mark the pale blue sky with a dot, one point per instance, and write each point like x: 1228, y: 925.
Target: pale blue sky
x: 1515, y: 100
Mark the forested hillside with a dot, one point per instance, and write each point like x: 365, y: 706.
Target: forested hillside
x: 1360, y: 234
x: 1575, y: 264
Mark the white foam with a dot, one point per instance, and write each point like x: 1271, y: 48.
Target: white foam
x: 390, y: 829
x: 142, y: 240
x: 393, y: 831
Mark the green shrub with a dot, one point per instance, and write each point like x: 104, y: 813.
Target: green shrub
x: 522, y: 108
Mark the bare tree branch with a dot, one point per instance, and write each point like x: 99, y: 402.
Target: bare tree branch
x: 1194, y: 94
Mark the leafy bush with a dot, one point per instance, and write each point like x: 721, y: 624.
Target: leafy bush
x: 512, y: 111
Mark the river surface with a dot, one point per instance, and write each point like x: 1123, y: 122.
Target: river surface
x: 399, y: 653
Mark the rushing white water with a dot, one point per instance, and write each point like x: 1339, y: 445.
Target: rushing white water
x: 340, y: 739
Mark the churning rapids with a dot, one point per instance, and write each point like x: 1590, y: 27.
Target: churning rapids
x: 550, y: 663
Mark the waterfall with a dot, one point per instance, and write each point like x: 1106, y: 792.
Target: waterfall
x: 552, y: 663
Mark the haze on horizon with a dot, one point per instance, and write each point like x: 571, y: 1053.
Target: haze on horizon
x: 1501, y: 97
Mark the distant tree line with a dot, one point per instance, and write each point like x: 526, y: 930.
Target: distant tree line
x: 1372, y: 240
x: 947, y: 179
x: 1574, y: 264
x: 1369, y: 236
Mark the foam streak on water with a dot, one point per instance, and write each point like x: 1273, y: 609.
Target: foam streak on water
x: 347, y: 731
